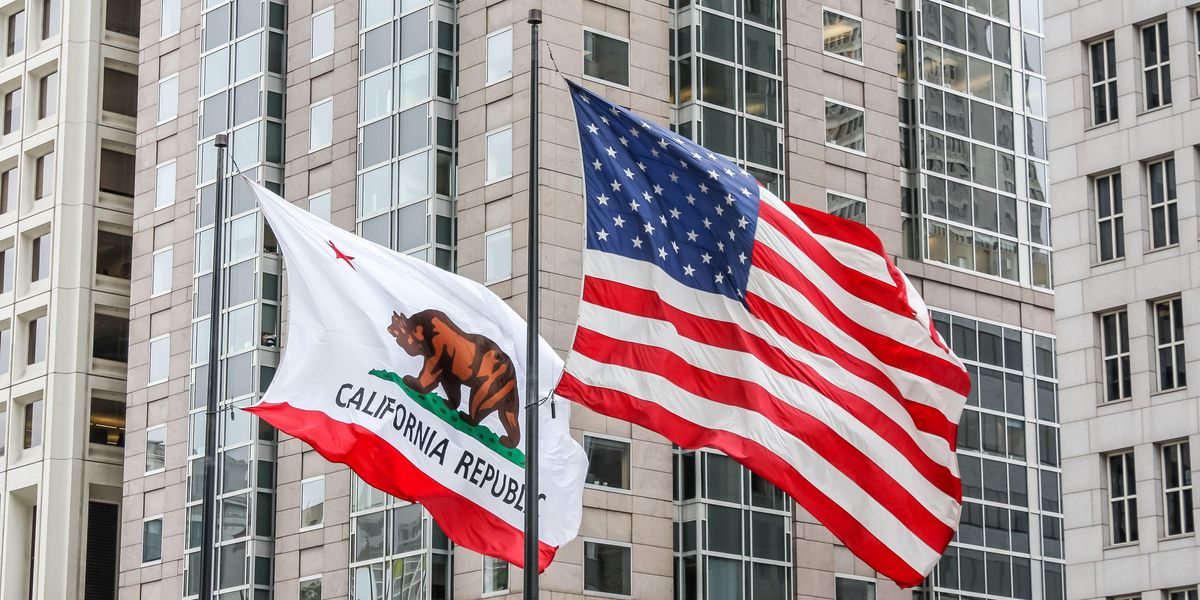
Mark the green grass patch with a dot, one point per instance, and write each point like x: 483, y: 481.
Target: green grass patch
x: 437, y: 405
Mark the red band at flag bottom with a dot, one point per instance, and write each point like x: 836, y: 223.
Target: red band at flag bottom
x: 382, y: 466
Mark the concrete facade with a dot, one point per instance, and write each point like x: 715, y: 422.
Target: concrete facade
x: 1107, y: 414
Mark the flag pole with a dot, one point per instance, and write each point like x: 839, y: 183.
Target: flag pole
x: 531, y: 345
x: 208, y: 525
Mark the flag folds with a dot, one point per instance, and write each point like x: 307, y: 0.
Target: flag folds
x: 720, y: 316
x: 415, y: 378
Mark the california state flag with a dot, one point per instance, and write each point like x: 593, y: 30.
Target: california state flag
x: 415, y: 378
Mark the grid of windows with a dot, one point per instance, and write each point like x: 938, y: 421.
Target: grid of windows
x: 1168, y: 342
x: 396, y: 549
x: 971, y: 137
x: 733, y: 537
x: 1011, y: 527
x: 1178, y: 518
x: 1110, y: 216
x: 1114, y: 339
x: 727, y: 85
x: 1164, y: 209
x: 406, y: 127
x: 1122, y: 498
x: 1103, y: 61
x: 1156, y: 65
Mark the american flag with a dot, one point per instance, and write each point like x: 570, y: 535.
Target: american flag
x: 720, y: 316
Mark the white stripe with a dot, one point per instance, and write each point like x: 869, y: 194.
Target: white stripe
x: 635, y: 273
x: 747, y: 367
x: 865, y: 262
x: 753, y: 426
x: 903, y: 330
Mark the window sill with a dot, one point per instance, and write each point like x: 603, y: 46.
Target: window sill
x: 605, y: 488
x: 1115, y: 402
x: 1178, y: 536
x: 1091, y: 128
x: 1161, y: 248
x: 620, y: 87
x: 307, y: 528
x: 1182, y: 388
x: 834, y: 146
x: 1104, y: 263
x: 1149, y: 111
x: 495, y: 594
x: 843, y: 58
x: 594, y: 594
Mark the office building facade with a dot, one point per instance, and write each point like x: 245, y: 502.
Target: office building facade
x: 407, y: 121
x: 1122, y: 89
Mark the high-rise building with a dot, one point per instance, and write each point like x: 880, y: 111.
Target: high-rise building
x: 1122, y: 84
x: 68, y: 88
x: 407, y: 121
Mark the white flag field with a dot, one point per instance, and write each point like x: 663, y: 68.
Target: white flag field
x: 415, y: 378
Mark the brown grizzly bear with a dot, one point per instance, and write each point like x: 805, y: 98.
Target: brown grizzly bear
x: 453, y: 359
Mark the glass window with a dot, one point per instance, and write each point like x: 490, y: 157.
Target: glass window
x: 32, y: 430
x: 608, y: 462
x: 606, y: 568
x: 164, y: 185
x: 51, y: 18
x: 605, y: 58
x: 320, y: 205
x: 1110, y: 216
x: 376, y: 96
x: 43, y: 184
x: 322, y: 33
x: 495, y: 575
x: 168, y: 99
x: 106, y: 422
x: 169, y: 23
x: 1122, y: 497
x: 844, y: 126
x: 160, y: 359
x: 5, y: 361
x: 1156, y: 65
x: 152, y: 531
x: 156, y: 448
x: 843, y: 35
x: 499, y: 56
x: 1164, y: 211
x: 1177, y: 488
x: 117, y: 172
x: 320, y: 125
x: 312, y: 502
x: 1168, y: 338
x: 163, y: 267
x: 854, y: 589
x: 9, y: 190
x: 110, y: 337
x: 498, y: 255
x: 114, y: 255
x: 48, y: 95
x: 310, y: 589
x: 12, y: 111
x: 120, y: 92
x: 15, y: 33
x: 1114, y: 330
x: 1103, y: 59
x: 852, y: 209
x: 414, y: 81
x: 123, y: 16
x: 39, y: 264
x: 499, y: 155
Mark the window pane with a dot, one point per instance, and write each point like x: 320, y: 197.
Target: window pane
x: 322, y: 33
x: 320, y: 125
x: 606, y: 568
x: 844, y: 126
x: 498, y: 256
x: 843, y: 35
x: 605, y: 58
x: 499, y: 56
x: 499, y: 155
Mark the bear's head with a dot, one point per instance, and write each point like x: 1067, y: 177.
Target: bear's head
x: 409, y: 335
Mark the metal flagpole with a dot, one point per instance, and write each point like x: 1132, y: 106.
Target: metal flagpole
x: 214, y: 369
x: 531, y: 347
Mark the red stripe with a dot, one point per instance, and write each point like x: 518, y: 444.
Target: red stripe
x: 386, y: 468
x: 892, y: 298
x: 722, y: 334
x: 820, y: 437
x: 856, y: 535
x: 889, y: 351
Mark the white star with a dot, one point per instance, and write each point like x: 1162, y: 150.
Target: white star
x: 654, y: 153
x: 707, y: 223
x: 658, y: 189
x: 613, y: 110
x: 743, y: 222
x: 604, y: 120
x: 616, y: 185
x: 663, y: 219
x: 732, y: 236
x: 742, y: 257
x: 720, y: 211
x: 592, y: 129
x: 619, y: 221
x: 746, y: 192
x: 675, y: 247
x: 637, y: 242
x: 675, y: 213
x: 634, y: 132
x: 712, y: 174
x: 703, y: 188
x: 729, y: 199
x: 720, y: 278
x: 706, y: 258
x: 745, y: 173
x: 696, y: 155
x: 691, y: 199
x: 692, y: 235
x: 645, y: 125
x: 663, y: 143
x: 712, y: 156
x: 602, y: 235
x: 688, y: 270
x: 683, y: 163
x: 662, y: 253
x: 624, y: 142
x: 721, y: 246
x: 674, y: 177
x: 602, y: 199
x: 641, y: 166
x: 729, y: 171
x: 584, y: 99
x: 629, y: 173
x: 612, y: 153
x: 648, y: 197
x: 633, y: 205
x: 597, y: 164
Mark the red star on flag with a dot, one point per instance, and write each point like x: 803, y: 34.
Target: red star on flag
x: 339, y: 255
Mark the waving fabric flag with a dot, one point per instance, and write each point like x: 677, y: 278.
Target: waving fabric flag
x: 415, y: 378
x: 722, y: 317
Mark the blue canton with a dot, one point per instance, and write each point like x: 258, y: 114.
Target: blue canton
x: 655, y: 196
